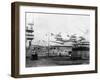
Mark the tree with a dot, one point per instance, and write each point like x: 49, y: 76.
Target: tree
x: 73, y: 37
x: 58, y: 37
x: 81, y: 38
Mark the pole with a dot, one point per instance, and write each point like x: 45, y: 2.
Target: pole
x: 48, y: 44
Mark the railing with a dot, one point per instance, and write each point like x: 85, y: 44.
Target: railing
x: 29, y: 29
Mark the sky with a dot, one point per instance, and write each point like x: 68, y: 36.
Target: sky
x: 44, y: 24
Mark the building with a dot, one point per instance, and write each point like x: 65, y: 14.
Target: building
x: 81, y: 50
x: 61, y: 49
x: 29, y: 37
x: 54, y: 49
x: 82, y: 45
